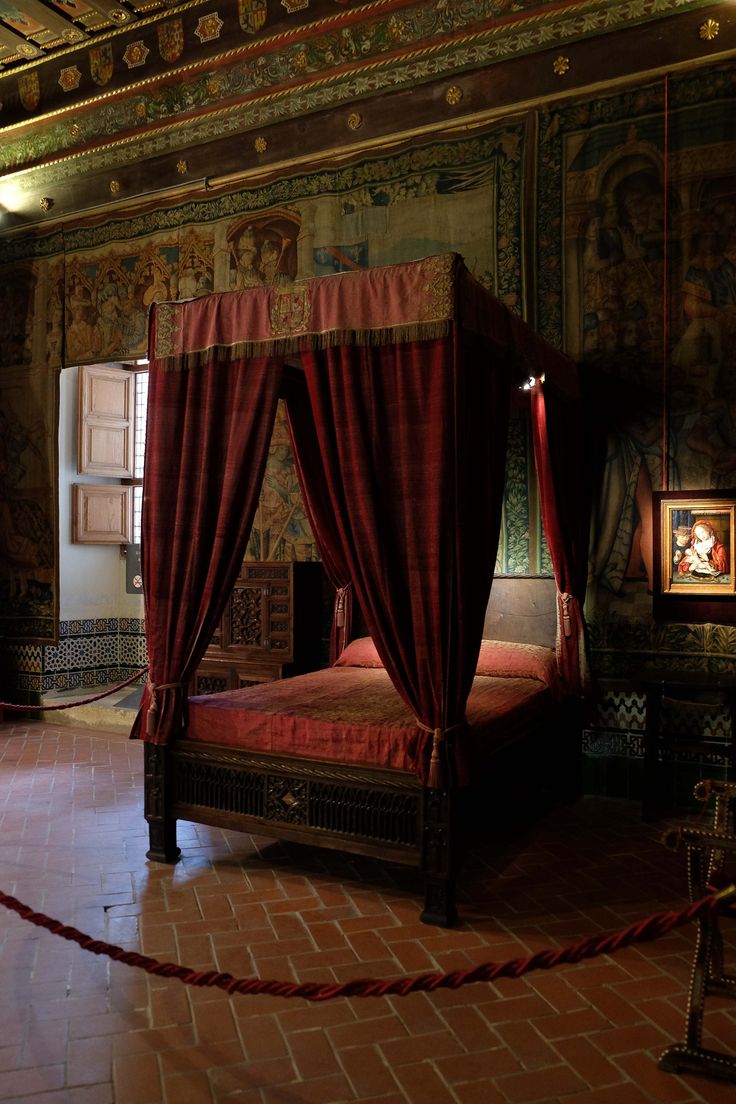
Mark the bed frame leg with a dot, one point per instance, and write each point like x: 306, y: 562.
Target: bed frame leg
x: 438, y: 859
x: 161, y: 825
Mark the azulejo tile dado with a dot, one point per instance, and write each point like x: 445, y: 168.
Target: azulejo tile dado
x: 90, y: 652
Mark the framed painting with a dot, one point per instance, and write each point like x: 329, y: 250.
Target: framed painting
x: 696, y: 533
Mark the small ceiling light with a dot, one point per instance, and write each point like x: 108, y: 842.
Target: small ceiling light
x: 531, y: 381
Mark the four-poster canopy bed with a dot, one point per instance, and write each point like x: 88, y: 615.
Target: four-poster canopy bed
x: 398, y: 384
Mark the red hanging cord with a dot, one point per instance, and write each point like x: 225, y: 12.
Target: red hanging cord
x: 665, y: 304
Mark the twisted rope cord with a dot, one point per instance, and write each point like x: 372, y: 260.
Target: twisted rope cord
x: 14, y: 707
x: 642, y: 931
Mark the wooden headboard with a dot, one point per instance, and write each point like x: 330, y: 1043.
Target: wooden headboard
x: 522, y: 609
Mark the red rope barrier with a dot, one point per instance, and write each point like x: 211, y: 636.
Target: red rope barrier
x: 641, y: 932
x: 14, y: 707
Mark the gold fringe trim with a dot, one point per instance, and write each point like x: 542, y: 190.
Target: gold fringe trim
x: 280, y: 347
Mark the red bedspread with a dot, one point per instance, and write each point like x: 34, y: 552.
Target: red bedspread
x: 354, y: 715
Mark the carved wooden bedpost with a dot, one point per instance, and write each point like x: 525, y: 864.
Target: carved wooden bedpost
x: 439, y: 857
x: 157, y: 803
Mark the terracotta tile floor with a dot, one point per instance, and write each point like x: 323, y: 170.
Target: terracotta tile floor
x: 79, y: 1029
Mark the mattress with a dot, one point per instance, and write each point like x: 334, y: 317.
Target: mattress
x: 354, y: 715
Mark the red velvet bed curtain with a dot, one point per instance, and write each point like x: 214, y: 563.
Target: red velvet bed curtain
x: 563, y: 472
x: 312, y: 480
x: 208, y: 432
x: 412, y: 437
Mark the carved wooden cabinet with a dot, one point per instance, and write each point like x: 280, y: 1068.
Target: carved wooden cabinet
x: 271, y: 628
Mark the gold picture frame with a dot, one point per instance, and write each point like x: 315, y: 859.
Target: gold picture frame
x: 696, y: 541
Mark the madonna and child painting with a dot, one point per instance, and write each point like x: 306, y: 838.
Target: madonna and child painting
x: 697, y: 542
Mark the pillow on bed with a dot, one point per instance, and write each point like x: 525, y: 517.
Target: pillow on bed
x: 359, y: 653
x: 505, y: 660
x: 496, y: 658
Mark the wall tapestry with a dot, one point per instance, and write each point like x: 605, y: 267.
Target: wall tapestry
x: 637, y: 278
x: 28, y: 503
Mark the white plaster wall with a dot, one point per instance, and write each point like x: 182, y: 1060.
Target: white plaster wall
x: 91, y: 577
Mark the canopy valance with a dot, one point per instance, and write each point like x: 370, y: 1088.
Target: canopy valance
x: 395, y: 304
x: 399, y: 422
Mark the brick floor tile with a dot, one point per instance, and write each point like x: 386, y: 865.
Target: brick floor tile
x: 262, y: 1037
x: 299, y: 1016
x: 558, y: 991
x: 89, y: 1061
x: 312, y: 1054
x: 478, y: 1092
x: 252, y: 1075
x: 27, y: 1081
x: 155, y: 1040
x: 540, y: 1085
x: 585, y: 1058
x: 137, y: 1077
x: 416, y: 1012
x: 625, y: 1040
x: 399, y: 1052
x: 618, y: 1012
x: 200, y: 1057
x: 661, y: 1086
x: 710, y: 1091
x: 336, y: 1089
x: 422, y: 1083
x: 470, y: 1027
x: 626, y: 1093
x: 490, y: 1064
x: 85, y: 1094
x: 367, y: 1071
x: 584, y: 1022
x: 188, y: 1088
x: 527, y: 1045
x: 661, y: 986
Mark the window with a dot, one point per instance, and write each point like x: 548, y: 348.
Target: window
x: 111, y: 442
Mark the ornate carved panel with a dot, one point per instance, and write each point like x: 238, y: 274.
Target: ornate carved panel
x: 210, y: 684
x: 246, y: 615
x: 373, y: 814
x: 286, y: 800
x: 218, y: 787
x: 271, y: 627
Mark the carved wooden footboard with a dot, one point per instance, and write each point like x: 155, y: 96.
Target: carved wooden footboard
x: 386, y: 814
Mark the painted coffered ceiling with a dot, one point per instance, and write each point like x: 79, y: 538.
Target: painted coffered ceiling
x: 31, y: 30
x: 106, y: 98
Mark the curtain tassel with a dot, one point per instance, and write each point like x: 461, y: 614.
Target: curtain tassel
x: 566, y: 622
x: 152, y: 715
x: 436, y: 777
x: 340, y: 606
